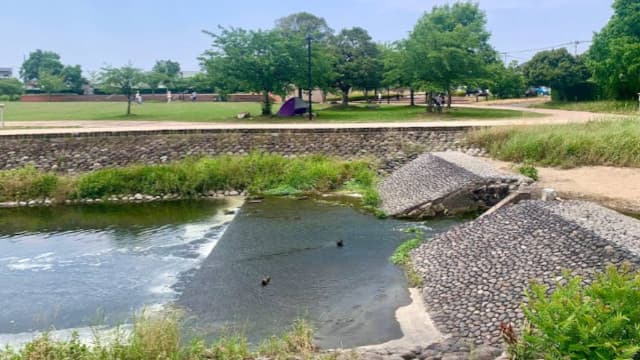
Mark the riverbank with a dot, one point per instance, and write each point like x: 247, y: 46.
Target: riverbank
x: 255, y: 173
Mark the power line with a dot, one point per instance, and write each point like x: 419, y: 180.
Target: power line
x: 572, y: 43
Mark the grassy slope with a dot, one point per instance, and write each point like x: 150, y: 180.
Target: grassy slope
x: 608, y: 106
x: 225, y: 112
x: 613, y: 143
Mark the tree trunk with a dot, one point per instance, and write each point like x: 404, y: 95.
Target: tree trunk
x: 429, y: 103
x: 366, y: 96
x: 345, y: 97
x: 412, y: 95
x: 129, y: 105
x: 388, y: 96
x: 448, y: 99
x: 300, y: 92
x: 266, y: 104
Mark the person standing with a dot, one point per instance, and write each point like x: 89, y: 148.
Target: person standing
x: 169, y: 96
x: 138, y: 98
x: 194, y: 96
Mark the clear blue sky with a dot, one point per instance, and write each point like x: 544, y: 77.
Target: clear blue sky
x: 94, y: 33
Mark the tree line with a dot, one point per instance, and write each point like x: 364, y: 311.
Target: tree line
x: 447, y: 48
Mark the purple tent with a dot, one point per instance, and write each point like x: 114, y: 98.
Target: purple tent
x: 293, y: 106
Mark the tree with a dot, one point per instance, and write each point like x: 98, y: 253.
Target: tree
x: 449, y: 46
x: 11, y: 87
x: 557, y: 69
x: 73, y: 78
x: 122, y: 80
x: 50, y: 83
x: 40, y: 62
x: 398, y: 72
x: 297, y: 28
x: 358, y: 61
x: 155, y: 79
x: 509, y: 82
x: 171, y: 69
x: 260, y: 61
x: 614, y: 57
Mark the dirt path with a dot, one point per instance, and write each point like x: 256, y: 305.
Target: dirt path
x: 617, y: 188
x: 88, y: 126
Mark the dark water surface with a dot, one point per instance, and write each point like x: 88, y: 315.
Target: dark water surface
x: 75, y: 267
x: 350, y: 294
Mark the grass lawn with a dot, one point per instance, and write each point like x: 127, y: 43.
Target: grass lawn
x: 610, y: 143
x: 607, y: 106
x: 226, y: 112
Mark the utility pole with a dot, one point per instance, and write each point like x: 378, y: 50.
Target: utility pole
x: 575, y: 50
x: 309, y: 75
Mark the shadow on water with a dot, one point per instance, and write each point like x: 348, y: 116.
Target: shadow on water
x: 350, y: 294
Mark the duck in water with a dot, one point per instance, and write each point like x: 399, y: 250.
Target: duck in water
x: 340, y: 243
x: 266, y: 281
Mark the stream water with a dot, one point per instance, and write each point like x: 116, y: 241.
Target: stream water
x: 77, y: 267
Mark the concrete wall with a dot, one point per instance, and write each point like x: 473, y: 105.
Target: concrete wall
x: 84, y: 152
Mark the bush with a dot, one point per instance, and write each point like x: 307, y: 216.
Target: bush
x: 597, y: 321
x: 11, y: 88
x: 26, y: 184
x: 402, y: 257
x: 256, y: 172
x: 528, y: 170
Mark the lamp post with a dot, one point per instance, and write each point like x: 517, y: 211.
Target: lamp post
x: 1, y: 115
x: 309, y: 74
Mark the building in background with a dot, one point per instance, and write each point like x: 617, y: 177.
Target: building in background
x: 5, y: 72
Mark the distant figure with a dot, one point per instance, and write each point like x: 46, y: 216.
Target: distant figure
x: 379, y: 98
x: 340, y: 243
x: 266, y: 281
x: 138, y: 98
x: 194, y: 96
x: 169, y: 96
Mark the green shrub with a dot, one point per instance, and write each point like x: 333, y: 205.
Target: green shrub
x: 27, y: 183
x: 597, y: 321
x: 256, y: 172
x: 529, y: 170
x: 402, y: 257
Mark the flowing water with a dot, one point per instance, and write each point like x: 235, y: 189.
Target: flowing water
x: 77, y: 267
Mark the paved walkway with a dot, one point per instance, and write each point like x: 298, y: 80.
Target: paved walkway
x: 88, y: 126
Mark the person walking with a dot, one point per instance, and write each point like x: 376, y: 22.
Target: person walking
x: 194, y: 96
x: 169, y: 96
x: 138, y: 98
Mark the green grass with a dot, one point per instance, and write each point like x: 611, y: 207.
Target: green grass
x: 256, y: 172
x: 402, y: 257
x: 160, y: 337
x: 226, y: 112
x: 606, y: 106
x: 608, y: 143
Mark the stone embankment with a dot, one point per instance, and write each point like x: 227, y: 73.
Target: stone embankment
x: 475, y: 274
x: 74, y: 153
x: 445, y: 183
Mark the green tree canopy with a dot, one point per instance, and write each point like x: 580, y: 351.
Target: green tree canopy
x: 171, y: 69
x: 260, y: 61
x: 449, y: 46
x: 297, y: 28
x: 11, y: 87
x: 557, y: 69
x: 614, y: 57
x: 39, y: 62
x: 358, y: 61
x: 73, y: 77
x: 50, y: 83
x: 122, y: 80
x: 509, y: 81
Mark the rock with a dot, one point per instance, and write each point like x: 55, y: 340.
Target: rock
x: 138, y: 197
x: 549, y: 194
x: 233, y: 193
x: 243, y: 115
x: 484, y: 352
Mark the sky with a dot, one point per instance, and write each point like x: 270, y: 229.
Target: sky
x: 98, y: 33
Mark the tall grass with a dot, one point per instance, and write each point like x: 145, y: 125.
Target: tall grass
x: 611, y: 143
x: 256, y: 173
x: 159, y: 337
x: 605, y: 106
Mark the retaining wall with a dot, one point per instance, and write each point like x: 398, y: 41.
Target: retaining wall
x: 88, y: 151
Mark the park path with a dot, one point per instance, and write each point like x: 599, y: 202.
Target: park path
x: 89, y: 126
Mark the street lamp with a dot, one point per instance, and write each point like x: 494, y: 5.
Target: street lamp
x: 309, y: 74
